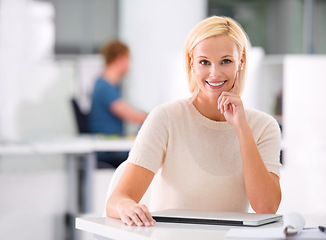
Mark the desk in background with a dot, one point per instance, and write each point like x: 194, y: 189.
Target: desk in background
x: 79, y: 147
x: 83, y: 147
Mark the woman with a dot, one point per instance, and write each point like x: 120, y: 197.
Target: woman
x: 207, y: 152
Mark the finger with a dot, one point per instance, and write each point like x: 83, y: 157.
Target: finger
x: 226, y: 106
x: 143, y: 217
x: 230, y: 102
x: 225, y: 103
x: 235, y: 88
x: 219, y: 105
x: 148, y: 215
x: 220, y: 101
x: 135, y: 218
x: 126, y: 220
x: 224, y: 99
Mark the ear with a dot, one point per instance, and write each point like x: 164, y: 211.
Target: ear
x: 118, y: 58
x: 242, y: 61
x: 191, y: 65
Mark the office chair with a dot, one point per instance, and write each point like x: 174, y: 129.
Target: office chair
x: 82, y: 125
x: 80, y: 117
x: 114, y: 181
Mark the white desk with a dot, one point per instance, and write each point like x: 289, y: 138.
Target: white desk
x: 17, y: 148
x: 109, y: 228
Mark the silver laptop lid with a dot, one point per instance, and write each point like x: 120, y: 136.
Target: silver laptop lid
x: 215, y: 218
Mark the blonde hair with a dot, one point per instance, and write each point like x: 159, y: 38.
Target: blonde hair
x: 212, y: 27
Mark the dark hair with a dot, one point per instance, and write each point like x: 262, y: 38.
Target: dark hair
x: 113, y: 49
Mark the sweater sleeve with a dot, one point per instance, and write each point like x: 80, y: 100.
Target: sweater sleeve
x: 269, y: 145
x: 151, y: 141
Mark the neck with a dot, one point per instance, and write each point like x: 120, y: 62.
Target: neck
x: 112, y: 74
x: 208, y: 108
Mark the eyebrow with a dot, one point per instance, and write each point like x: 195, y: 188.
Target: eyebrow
x: 221, y: 57
x: 227, y: 56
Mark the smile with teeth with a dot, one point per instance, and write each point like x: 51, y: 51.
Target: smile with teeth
x: 215, y: 84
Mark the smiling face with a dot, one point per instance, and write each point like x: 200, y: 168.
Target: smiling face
x: 215, y: 63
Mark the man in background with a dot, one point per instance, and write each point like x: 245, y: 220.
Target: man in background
x: 109, y: 110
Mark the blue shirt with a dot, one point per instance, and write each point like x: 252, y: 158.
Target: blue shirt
x: 101, y: 119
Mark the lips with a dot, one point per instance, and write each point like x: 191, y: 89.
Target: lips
x: 215, y: 84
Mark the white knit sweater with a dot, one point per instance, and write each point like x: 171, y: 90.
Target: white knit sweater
x: 197, y: 161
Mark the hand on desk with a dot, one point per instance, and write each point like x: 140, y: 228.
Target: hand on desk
x: 132, y: 213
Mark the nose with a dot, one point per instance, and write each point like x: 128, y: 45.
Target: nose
x: 214, y: 72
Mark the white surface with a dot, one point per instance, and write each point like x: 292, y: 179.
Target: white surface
x: 156, y: 33
x: 26, y: 42
x: 62, y: 145
x: 66, y: 145
x: 304, y: 118
x: 115, y: 229
x: 109, y: 228
x: 89, y: 68
x: 304, y: 111
x: 252, y: 93
x: 272, y: 234
x: 120, y: 144
x: 7, y: 148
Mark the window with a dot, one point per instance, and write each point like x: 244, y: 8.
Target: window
x: 280, y: 27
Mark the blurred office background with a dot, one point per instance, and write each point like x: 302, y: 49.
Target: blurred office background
x: 49, y: 55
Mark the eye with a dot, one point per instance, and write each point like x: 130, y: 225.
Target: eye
x: 204, y: 62
x: 226, y: 61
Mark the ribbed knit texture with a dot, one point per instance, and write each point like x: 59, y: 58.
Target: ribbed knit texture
x: 197, y: 161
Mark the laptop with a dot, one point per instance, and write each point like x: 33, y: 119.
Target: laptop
x: 215, y: 218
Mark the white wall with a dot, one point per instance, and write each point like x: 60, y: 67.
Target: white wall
x: 34, y: 89
x: 34, y: 99
x: 304, y: 118
x: 253, y: 90
x: 156, y: 32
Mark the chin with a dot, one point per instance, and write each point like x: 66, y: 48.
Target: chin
x: 213, y: 96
